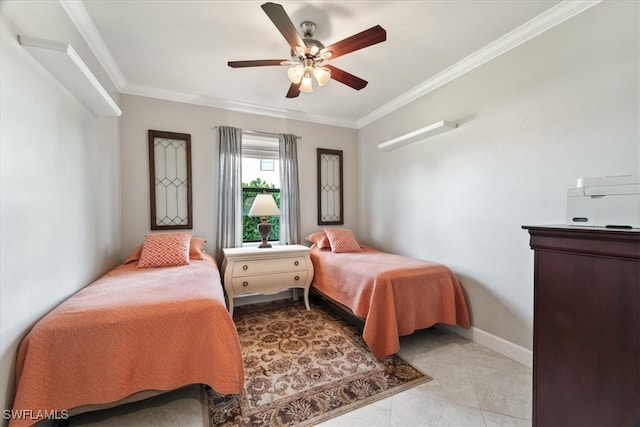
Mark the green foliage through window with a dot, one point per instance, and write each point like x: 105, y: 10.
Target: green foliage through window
x: 250, y: 224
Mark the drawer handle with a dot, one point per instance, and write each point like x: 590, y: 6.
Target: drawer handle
x: 296, y: 263
x: 245, y: 283
x: 297, y: 278
x: 245, y: 267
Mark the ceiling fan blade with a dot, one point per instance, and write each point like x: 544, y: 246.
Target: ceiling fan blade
x: 294, y: 91
x: 256, y: 63
x: 283, y: 23
x: 346, y: 78
x: 361, y: 40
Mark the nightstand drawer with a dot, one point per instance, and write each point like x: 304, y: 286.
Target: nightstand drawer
x: 266, y: 266
x: 267, y: 284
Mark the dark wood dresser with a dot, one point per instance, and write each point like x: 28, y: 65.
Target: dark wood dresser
x: 586, y: 333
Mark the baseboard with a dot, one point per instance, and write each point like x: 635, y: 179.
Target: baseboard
x: 495, y: 343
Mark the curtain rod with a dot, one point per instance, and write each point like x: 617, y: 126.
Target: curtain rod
x: 258, y: 133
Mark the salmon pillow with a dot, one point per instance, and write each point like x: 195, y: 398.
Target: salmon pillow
x: 196, y: 250
x: 319, y: 238
x: 342, y: 240
x: 134, y: 256
x: 164, y: 250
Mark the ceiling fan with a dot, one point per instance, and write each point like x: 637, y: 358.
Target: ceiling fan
x: 309, y: 56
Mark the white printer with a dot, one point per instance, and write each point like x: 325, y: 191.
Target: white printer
x: 610, y: 201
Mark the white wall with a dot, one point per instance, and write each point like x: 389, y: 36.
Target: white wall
x: 561, y: 106
x: 59, y: 181
x: 141, y: 114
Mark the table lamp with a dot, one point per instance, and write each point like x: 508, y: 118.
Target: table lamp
x: 263, y: 206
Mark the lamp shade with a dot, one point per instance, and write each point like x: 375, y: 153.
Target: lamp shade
x: 306, y: 85
x: 264, y: 205
x: 322, y: 75
x: 295, y: 74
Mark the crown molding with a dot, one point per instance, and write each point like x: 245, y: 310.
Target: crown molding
x: 538, y: 25
x: 85, y: 25
x: 210, y: 101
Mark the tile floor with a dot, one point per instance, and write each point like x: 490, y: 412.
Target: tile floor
x: 472, y: 386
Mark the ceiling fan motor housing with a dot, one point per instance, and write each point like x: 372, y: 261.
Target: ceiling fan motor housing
x: 314, y: 46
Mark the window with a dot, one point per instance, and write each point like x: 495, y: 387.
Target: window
x: 260, y: 173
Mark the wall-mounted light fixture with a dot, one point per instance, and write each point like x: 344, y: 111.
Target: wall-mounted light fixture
x: 416, y: 135
x: 65, y: 64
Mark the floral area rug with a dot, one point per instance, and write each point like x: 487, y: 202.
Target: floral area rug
x: 303, y: 367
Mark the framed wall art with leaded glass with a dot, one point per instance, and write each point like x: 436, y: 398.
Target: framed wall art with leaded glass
x: 170, y: 180
x: 330, y: 187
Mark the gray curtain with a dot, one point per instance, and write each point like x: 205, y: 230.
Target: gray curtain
x: 229, y: 227
x: 289, y: 191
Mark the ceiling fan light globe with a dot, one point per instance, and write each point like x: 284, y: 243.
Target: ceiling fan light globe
x: 295, y: 74
x: 306, y: 85
x: 322, y: 75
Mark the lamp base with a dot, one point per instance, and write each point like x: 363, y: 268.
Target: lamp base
x: 264, y: 229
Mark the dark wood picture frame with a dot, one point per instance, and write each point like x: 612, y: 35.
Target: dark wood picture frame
x: 330, y: 187
x: 174, y: 154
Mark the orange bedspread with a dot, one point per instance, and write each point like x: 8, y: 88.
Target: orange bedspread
x: 131, y: 330
x: 395, y: 294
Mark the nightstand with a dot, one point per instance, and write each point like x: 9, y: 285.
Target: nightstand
x: 249, y: 271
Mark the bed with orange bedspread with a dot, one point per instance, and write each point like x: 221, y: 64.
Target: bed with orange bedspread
x: 394, y: 294
x: 132, y: 330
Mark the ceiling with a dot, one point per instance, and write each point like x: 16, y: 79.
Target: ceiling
x: 179, y: 50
